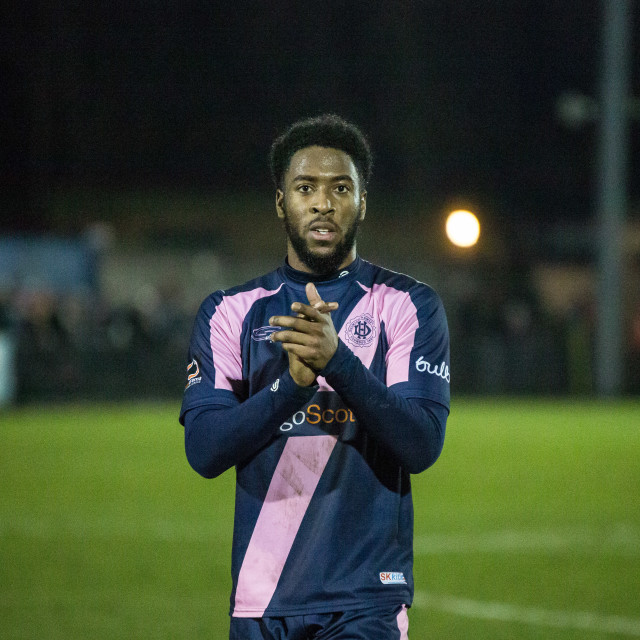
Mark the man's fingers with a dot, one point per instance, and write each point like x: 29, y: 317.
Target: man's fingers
x: 290, y: 337
x: 301, y: 311
x: 313, y: 313
x: 299, y: 322
x: 316, y: 301
x: 312, y: 295
x: 299, y: 350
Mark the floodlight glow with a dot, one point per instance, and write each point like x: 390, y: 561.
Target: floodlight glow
x: 463, y: 228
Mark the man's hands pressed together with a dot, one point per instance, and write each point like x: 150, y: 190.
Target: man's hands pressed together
x: 309, y: 337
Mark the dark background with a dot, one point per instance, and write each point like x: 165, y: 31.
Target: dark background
x: 140, y: 130
x: 458, y: 98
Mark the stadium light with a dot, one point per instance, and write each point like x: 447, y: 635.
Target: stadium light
x: 463, y: 228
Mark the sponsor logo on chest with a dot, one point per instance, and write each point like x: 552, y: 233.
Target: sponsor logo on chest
x: 325, y: 418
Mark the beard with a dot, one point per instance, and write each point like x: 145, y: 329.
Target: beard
x: 322, y: 264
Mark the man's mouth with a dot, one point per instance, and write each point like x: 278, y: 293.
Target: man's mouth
x: 322, y: 231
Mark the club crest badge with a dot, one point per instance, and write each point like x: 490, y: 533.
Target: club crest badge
x: 361, y: 331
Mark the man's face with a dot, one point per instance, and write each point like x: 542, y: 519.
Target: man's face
x: 321, y: 205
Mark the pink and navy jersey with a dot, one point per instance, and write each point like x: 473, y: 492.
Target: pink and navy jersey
x: 324, y: 514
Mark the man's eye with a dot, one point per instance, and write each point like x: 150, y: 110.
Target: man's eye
x: 305, y: 188
x: 342, y: 188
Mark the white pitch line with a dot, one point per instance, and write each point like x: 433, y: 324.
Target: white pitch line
x: 105, y: 527
x: 583, y: 620
x: 618, y: 539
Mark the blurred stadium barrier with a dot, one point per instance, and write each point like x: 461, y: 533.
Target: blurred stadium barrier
x: 86, y: 319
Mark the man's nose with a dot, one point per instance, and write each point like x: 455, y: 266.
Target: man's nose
x: 322, y: 203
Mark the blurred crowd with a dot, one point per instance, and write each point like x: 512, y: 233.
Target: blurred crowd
x: 79, y: 345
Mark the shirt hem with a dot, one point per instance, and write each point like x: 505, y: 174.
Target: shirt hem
x: 397, y: 599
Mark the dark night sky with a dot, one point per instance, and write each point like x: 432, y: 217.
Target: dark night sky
x: 457, y: 97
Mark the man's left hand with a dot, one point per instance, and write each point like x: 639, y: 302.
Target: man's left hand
x: 310, y: 334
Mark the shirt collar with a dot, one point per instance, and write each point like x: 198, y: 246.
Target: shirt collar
x: 302, y: 277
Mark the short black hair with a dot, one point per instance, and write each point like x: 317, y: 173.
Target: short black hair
x: 327, y: 130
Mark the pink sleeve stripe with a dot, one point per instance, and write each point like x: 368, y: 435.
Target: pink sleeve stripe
x: 225, y: 328
x: 400, y: 316
x: 294, y: 482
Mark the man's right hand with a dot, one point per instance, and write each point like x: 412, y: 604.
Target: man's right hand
x: 303, y: 375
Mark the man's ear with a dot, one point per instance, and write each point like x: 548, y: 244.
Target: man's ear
x: 363, y: 205
x: 280, y: 203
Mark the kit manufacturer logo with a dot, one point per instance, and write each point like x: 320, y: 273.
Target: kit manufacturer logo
x: 263, y: 333
x: 392, y: 577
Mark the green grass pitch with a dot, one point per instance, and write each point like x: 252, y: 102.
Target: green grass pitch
x: 527, y: 527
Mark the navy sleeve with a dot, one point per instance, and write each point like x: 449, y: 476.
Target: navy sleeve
x: 412, y: 429
x: 217, y: 437
x: 212, y: 379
